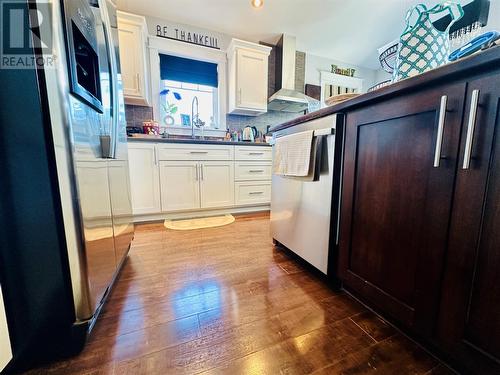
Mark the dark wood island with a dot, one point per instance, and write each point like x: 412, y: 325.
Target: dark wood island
x: 420, y: 211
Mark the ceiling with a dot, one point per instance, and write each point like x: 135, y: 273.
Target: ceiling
x: 347, y: 31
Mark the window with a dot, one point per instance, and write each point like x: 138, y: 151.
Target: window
x: 183, y: 80
x: 176, y: 99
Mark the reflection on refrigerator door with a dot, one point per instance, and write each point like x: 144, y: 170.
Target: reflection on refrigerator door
x: 95, y: 203
x: 121, y: 206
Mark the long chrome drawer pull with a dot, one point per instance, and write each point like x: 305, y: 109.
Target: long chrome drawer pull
x: 440, y: 132
x: 471, y: 128
x: 255, y: 153
x: 256, y: 170
x: 197, y: 176
x: 202, y: 173
x: 256, y: 192
x: 198, y: 152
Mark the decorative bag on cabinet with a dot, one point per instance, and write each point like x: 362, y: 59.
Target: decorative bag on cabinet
x: 422, y: 47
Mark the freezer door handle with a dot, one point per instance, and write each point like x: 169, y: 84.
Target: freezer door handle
x: 113, y: 76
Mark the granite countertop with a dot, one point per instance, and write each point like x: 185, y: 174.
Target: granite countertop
x: 156, y: 139
x: 480, y: 62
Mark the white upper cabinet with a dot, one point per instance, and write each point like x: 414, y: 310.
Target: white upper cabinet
x: 132, y: 34
x: 248, y: 76
x: 5, y: 349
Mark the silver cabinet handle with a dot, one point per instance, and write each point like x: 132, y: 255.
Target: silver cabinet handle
x: 256, y: 171
x: 256, y: 192
x: 471, y: 127
x: 439, y: 137
x: 155, y: 156
x: 196, y: 168
x: 255, y: 153
x: 198, y: 152
x: 202, y: 172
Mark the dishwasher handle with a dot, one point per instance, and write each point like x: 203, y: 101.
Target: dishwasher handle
x: 317, y: 133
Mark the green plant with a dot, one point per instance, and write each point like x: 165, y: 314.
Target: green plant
x: 170, y: 108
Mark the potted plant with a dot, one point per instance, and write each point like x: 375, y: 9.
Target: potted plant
x: 170, y: 108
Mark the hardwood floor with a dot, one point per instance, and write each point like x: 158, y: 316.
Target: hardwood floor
x: 225, y: 301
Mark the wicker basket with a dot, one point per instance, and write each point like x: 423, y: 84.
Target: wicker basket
x: 340, y: 98
x: 387, y: 56
x: 380, y: 85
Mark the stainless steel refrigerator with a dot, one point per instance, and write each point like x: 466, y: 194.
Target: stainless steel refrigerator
x: 65, y: 207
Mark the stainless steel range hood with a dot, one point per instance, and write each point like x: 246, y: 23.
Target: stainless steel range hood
x: 287, y: 98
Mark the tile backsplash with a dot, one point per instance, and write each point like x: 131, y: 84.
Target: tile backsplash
x: 136, y: 114
x: 271, y: 118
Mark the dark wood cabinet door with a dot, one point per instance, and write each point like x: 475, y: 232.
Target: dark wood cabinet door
x: 469, y: 320
x: 396, y: 205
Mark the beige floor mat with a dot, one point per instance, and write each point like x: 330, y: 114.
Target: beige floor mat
x: 199, y: 223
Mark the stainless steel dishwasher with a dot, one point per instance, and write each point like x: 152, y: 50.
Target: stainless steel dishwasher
x: 305, y: 214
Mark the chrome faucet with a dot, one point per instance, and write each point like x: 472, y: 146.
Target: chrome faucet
x: 195, y: 118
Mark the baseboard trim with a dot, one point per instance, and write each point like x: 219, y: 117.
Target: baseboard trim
x: 200, y: 213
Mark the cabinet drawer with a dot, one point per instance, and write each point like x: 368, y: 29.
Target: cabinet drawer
x: 195, y: 152
x: 252, y: 171
x: 253, y: 153
x: 250, y: 193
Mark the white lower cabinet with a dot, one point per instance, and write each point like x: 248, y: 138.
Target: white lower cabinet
x: 144, y: 178
x: 180, y: 185
x: 189, y: 185
x: 169, y: 178
x: 253, y: 193
x: 217, y: 184
x: 252, y: 171
x: 5, y: 348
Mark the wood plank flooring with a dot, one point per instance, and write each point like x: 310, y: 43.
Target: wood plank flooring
x: 225, y: 301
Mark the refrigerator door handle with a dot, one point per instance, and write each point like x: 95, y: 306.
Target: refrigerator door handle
x: 113, y: 76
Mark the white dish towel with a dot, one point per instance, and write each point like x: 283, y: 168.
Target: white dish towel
x: 292, y: 154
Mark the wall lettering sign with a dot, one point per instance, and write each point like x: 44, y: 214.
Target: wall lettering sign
x: 186, y: 36
x: 343, y: 71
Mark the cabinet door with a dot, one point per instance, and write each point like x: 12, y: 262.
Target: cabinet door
x: 144, y: 178
x: 180, y: 185
x: 217, y: 184
x: 131, y: 60
x: 5, y: 351
x: 251, y: 79
x: 469, y: 322
x: 396, y: 205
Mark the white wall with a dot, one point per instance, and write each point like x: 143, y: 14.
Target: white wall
x: 316, y: 64
x: 152, y: 22
x: 381, y: 76
x: 494, y: 18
